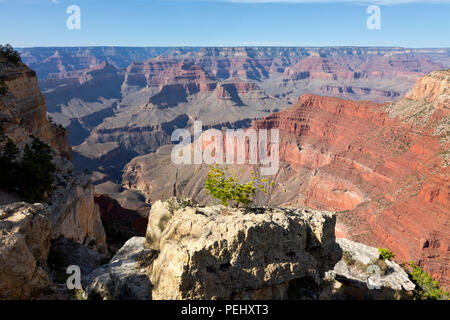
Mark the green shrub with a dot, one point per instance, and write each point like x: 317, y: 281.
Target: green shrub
x: 386, y: 254
x: 426, y: 287
x: 37, y: 172
x: 30, y: 177
x: 79, y: 294
x: 224, y: 186
x: 11, y: 54
x: 10, y: 167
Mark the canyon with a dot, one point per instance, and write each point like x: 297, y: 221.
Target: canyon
x: 384, y: 168
x: 118, y: 103
x: 364, y: 133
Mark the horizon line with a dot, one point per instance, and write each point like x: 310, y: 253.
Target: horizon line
x: 228, y: 46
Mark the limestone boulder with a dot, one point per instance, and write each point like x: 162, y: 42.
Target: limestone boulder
x: 362, y: 277
x: 159, y: 216
x: 124, y: 277
x: 222, y: 253
x: 24, y: 246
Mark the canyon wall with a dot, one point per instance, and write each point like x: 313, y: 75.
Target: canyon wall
x: 23, y: 109
x: 384, y: 168
x: 135, y: 97
x: 68, y: 211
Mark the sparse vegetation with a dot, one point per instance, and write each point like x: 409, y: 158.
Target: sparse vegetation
x: 426, y: 287
x: 11, y: 54
x: 380, y: 263
x: 174, y: 204
x: 31, y: 176
x: 37, y: 172
x: 348, y: 258
x: 223, y: 184
x: 10, y: 166
x: 386, y: 254
x: 79, y: 294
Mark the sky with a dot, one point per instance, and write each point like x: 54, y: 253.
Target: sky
x: 403, y: 23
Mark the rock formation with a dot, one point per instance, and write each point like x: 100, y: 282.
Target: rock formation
x: 23, y: 109
x: 220, y: 253
x: 382, y: 168
x: 68, y: 211
x: 217, y: 252
x: 124, y: 277
x: 353, y: 278
x: 24, y: 246
x: 135, y: 97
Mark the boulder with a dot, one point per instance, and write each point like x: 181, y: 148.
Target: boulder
x: 223, y: 253
x: 356, y: 282
x: 124, y: 277
x: 24, y: 247
x: 219, y: 252
x: 159, y: 216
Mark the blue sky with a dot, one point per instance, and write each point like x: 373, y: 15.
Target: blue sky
x: 407, y: 23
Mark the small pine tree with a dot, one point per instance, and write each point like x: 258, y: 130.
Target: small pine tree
x: 37, y: 171
x: 385, y: 254
x: 10, y: 167
x: 426, y: 287
x: 12, y: 55
x: 225, y: 186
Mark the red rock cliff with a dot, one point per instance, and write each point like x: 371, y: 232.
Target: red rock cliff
x: 384, y: 168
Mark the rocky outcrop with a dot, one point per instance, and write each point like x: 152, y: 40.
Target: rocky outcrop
x: 217, y: 252
x: 65, y: 252
x: 23, y: 110
x: 124, y: 277
x: 222, y: 253
x: 68, y: 212
x: 431, y: 88
x: 72, y: 210
x: 25, y: 232
x: 356, y: 281
x: 159, y: 216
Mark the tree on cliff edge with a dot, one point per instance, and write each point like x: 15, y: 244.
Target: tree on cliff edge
x: 11, y: 54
